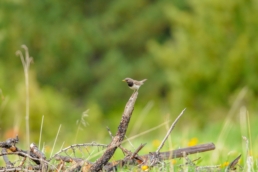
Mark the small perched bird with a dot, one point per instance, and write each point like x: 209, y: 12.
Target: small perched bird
x: 133, y: 84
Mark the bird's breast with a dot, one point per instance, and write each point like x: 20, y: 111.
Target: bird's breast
x: 130, y: 84
x: 134, y: 87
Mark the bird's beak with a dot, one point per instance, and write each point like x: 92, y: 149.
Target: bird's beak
x: 123, y: 80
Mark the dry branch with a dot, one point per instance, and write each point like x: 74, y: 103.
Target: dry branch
x: 178, y: 153
x: 119, y: 137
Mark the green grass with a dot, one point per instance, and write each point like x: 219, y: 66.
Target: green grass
x: 227, y: 137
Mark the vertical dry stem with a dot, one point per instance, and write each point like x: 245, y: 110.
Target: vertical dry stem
x: 26, y: 65
x: 169, y: 131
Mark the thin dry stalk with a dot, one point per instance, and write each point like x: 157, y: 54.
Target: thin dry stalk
x: 109, y: 132
x: 228, y: 123
x: 81, y: 123
x: 249, y: 159
x: 169, y: 131
x: 55, y: 139
x: 41, y: 127
x: 231, y: 112
x: 167, y: 128
x: 249, y: 132
x: 130, y: 143
x: 148, y: 131
x: 141, y: 117
x: 26, y: 65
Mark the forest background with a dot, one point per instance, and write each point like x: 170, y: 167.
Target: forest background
x: 198, y: 54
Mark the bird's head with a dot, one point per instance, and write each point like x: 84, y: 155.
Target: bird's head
x: 127, y: 80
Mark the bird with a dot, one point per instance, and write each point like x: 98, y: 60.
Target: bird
x: 134, y: 84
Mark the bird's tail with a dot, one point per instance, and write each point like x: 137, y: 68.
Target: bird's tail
x: 142, y: 81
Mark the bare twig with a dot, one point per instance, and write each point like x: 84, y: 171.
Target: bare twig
x: 109, y: 132
x: 137, y: 150
x: 190, y: 162
x: 77, y: 145
x: 232, y: 165
x: 169, y: 131
x: 67, y: 159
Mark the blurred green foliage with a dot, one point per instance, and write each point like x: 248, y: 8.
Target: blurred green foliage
x: 195, y: 54
x: 211, y: 55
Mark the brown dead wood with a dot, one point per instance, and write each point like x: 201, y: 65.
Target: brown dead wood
x: 119, y: 137
x: 178, y: 153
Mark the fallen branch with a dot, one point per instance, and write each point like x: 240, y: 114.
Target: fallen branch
x: 178, y: 153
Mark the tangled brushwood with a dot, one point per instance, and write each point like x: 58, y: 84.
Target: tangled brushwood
x: 80, y: 157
